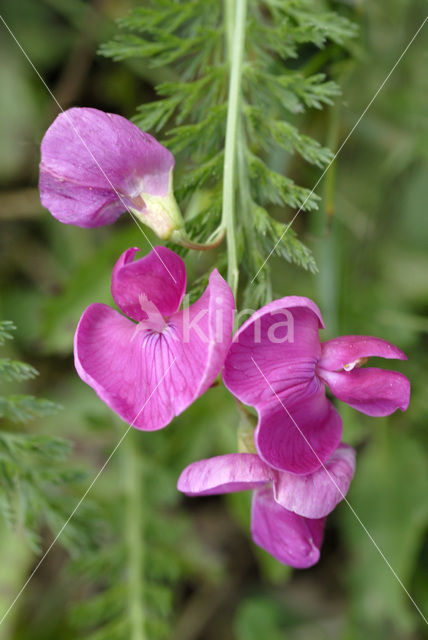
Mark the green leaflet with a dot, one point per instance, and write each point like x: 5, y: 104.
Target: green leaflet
x: 37, y: 482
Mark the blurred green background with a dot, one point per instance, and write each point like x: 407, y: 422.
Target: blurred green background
x: 203, y: 578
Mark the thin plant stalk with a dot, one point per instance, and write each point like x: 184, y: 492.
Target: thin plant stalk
x: 235, y: 20
x: 134, y: 531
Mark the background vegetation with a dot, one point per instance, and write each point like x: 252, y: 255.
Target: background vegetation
x: 135, y: 540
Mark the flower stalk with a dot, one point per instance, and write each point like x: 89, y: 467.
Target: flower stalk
x: 235, y: 20
x: 180, y: 237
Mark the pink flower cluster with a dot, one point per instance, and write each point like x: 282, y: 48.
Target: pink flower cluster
x: 150, y: 362
x: 301, y: 470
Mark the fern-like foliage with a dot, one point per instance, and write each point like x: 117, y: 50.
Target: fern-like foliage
x: 129, y: 582
x: 107, y: 614
x: 193, y: 38
x: 36, y: 479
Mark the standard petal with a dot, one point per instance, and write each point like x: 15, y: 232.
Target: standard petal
x: 291, y: 539
x: 224, y: 474
x: 376, y: 392
x: 203, y: 334
x: 282, y: 338
x: 316, y: 495
x: 159, y: 277
x: 94, y: 163
x: 301, y: 433
x: 344, y: 351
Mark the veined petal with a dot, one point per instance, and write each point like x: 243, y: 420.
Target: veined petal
x: 300, y: 433
x: 342, y: 352
x: 291, y: 539
x: 282, y: 338
x: 147, y: 377
x: 224, y: 474
x: 159, y: 277
x: 94, y: 163
x: 132, y: 371
x: 315, y: 495
x: 376, y: 392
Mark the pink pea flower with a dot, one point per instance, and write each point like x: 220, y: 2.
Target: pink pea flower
x: 95, y: 165
x: 151, y: 367
x: 288, y: 511
x: 277, y: 364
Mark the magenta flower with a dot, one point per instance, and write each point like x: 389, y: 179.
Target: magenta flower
x: 95, y: 165
x: 288, y: 511
x: 152, y: 367
x: 277, y: 364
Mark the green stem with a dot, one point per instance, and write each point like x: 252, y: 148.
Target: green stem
x: 235, y: 19
x: 180, y: 237
x: 133, y: 479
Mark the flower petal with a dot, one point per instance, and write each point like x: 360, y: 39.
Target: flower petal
x: 83, y: 206
x: 224, y: 474
x: 205, y: 331
x: 300, y: 434
x: 159, y: 276
x: 376, y: 392
x: 316, y: 495
x: 272, y: 361
x: 89, y: 157
x: 343, y: 351
x: 291, y: 539
x: 282, y: 338
x: 147, y: 377
x: 128, y: 368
